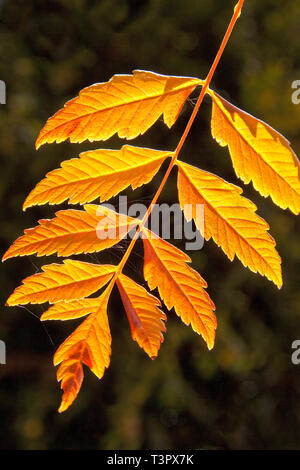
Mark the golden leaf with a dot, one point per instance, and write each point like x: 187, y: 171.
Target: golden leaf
x: 229, y: 219
x: 69, y: 281
x: 89, y: 344
x: 144, y: 316
x: 73, y: 232
x: 97, y: 173
x: 71, y: 310
x: 179, y: 285
x: 70, y: 373
x: 127, y: 104
x: 258, y: 152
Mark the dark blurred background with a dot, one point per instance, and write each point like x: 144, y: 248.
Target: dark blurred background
x: 245, y: 393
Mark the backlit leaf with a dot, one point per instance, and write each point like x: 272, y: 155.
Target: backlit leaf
x: 127, y: 104
x: 71, y: 310
x: 229, y: 219
x: 89, y: 344
x: 259, y: 153
x: 69, y: 281
x: 97, y: 173
x: 144, y: 315
x: 73, y: 232
x: 70, y: 374
x: 179, y: 285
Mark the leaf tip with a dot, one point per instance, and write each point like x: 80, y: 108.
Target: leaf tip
x: 210, y: 339
x: 8, y: 303
x: 26, y: 204
x: 277, y: 279
x: 38, y: 142
x: 63, y: 406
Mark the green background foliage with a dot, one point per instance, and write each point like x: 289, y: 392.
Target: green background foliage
x: 245, y: 393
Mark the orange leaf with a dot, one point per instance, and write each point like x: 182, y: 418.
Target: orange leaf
x: 144, y: 316
x: 97, y: 173
x: 71, y: 310
x: 73, y: 232
x: 70, y: 373
x: 89, y: 344
x: 179, y: 285
x: 258, y: 152
x: 69, y: 281
x: 229, y: 219
x: 127, y: 104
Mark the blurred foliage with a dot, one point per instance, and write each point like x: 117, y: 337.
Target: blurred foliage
x: 246, y: 392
